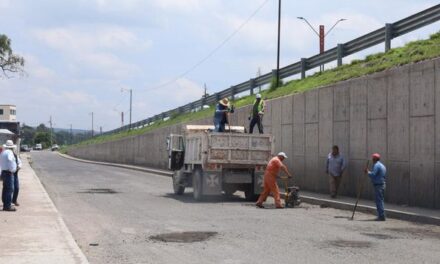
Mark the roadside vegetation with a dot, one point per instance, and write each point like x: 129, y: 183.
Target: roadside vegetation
x: 410, y: 53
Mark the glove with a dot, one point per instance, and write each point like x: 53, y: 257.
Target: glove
x: 249, y: 118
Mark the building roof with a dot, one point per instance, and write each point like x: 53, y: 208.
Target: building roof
x: 6, y: 132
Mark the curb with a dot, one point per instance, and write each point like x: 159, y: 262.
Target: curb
x: 74, y: 247
x: 124, y: 166
x: 395, y: 214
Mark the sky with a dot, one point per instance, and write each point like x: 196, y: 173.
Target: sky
x: 80, y: 54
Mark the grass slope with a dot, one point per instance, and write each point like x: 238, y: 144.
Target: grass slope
x: 410, y: 53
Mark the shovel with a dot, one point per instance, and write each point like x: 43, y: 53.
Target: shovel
x: 361, y: 187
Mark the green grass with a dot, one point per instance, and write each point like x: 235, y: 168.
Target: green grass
x: 410, y: 53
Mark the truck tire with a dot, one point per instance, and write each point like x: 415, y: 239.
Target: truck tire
x: 197, y: 183
x: 178, y: 186
x: 250, y: 195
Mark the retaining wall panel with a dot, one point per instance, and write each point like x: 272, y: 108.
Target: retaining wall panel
x: 398, y: 115
x: 311, y: 105
x: 358, y: 119
x: 341, y: 101
x: 377, y: 95
x: 422, y: 89
x: 377, y: 138
x: 398, y: 180
x: 325, y: 120
x: 422, y: 183
x: 287, y: 110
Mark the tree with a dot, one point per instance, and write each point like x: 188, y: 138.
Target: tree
x: 42, y: 138
x: 9, y: 62
x: 27, y: 135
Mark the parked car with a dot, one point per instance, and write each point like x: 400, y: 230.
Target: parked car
x: 25, y: 148
x: 55, y: 147
x: 38, y: 147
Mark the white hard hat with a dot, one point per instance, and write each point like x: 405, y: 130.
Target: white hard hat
x: 282, y: 154
x: 258, y: 96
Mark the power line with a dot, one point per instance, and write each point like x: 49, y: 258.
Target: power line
x: 210, y: 54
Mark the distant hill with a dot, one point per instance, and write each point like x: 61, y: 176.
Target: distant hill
x: 74, y: 131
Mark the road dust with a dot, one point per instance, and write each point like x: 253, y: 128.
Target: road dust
x: 183, y: 237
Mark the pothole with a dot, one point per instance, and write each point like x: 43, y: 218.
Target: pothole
x: 183, y: 237
x: 350, y: 243
x: 378, y: 236
x: 99, y: 191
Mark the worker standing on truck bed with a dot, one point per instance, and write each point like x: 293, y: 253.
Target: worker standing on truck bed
x: 221, y: 115
x: 256, y: 115
x: 270, y: 180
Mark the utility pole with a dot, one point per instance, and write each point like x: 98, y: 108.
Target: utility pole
x: 131, y: 102
x: 50, y: 131
x: 92, y: 124
x: 122, y: 119
x: 259, y: 75
x: 278, y: 50
x: 71, y: 134
x: 205, y: 94
x: 100, y: 130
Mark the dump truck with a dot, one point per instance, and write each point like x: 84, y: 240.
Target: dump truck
x: 215, y: 163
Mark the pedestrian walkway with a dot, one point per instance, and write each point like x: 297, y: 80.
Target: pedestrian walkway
x: 36, y: 233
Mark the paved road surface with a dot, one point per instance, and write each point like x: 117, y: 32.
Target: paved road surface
x: 116, y: 227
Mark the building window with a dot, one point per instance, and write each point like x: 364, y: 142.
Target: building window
x: 1, y: 111
x: 12, y: 112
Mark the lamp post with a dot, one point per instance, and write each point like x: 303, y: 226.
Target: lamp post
x: 279, y: 40
x: 92, y: 122
x: 131, y: 101
x: 321, y: 34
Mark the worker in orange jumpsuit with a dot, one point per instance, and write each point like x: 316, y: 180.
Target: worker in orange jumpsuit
x: 270, y: 180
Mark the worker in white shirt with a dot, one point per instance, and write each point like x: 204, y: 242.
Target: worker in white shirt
x: 8, y: 165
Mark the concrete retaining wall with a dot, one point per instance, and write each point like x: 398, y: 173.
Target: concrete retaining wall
x: 395, y: 113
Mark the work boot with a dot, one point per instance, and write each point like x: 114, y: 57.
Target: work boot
x: 259, y: 205
x: 16, y: 204
x: 382, y: 218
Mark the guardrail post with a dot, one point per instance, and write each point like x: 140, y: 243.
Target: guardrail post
x: 233, y: 92
x: 303, y: 68
x: 251, y: 85
x: 388, y: 36
x: 340, y: 51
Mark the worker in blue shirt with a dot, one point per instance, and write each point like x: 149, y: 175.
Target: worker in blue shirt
x: 378, y: 176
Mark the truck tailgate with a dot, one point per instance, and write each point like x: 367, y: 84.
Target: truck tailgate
x: 247, y: 149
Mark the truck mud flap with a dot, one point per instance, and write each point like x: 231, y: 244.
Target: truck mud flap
x: 212, y: 183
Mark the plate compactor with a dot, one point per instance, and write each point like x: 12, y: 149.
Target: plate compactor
x: 291, y: 195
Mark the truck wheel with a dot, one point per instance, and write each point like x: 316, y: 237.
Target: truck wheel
x: 178, y: 187
x: 250, y: 195
x: 229, y: 189
x: 197, y: 184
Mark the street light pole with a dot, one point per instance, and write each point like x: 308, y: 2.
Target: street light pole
x: 278, y: 50
x: 321, y: 35
x: 131, y: 102
x: 92, y: 124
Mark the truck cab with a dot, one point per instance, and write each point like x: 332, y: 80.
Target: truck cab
x: 215, y: 163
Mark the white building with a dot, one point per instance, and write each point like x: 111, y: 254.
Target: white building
x: 8, y: 113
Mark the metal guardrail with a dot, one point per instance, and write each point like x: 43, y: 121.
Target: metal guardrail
x: 384, y: 34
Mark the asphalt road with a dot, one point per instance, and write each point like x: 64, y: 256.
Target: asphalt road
x: 116, y: 227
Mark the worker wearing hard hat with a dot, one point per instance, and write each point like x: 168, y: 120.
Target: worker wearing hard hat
x: 270, y: 180
x: 221, y: 115
x: 256, y: 115
x: 378, y: 176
